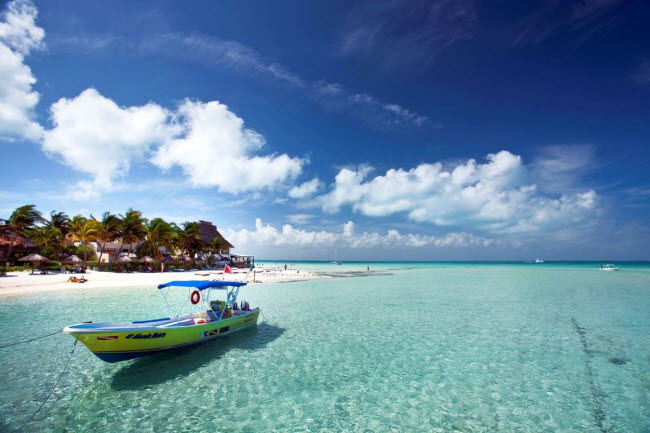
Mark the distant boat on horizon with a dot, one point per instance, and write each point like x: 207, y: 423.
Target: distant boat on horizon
x: 539, y: 261
x: 608, y: 267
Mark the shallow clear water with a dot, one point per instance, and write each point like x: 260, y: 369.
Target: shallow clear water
x: 432, y: 348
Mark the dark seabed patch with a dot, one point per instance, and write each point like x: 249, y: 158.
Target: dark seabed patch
x: 596, y: 393
x: 619, y: 360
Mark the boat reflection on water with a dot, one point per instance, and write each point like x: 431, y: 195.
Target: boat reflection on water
x: 153, y: 370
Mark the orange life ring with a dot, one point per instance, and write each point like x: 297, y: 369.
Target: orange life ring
x: 195, y: 297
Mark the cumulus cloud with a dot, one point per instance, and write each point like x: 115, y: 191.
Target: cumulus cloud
x: 306, y: 189
x: 496, y: 196
x: 94, y: 135
x: 19, y: 35
x: 216, y: 150
x: 266, y: 235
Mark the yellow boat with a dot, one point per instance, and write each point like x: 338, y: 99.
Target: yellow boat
x: 114, y: 342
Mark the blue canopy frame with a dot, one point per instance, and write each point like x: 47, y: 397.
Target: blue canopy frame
x: 231, y: 288
x: 202, y: 285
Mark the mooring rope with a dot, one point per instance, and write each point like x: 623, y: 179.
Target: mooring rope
x: 265, y: 319
x: 74, y: 346
x: 31, y: 339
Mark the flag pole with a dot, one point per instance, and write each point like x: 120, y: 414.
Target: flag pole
x: 248, y: 273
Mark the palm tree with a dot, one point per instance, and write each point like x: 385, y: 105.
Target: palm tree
x: 190, y: 238
x: 215, y: 246
x: 75, y: 225
x: 132, y: 228
x: 158, y: 233
x: 58, y: 220
x: 86, y: 232
x: 49, y: 237
x: 108, y: 230
x: 23, y: 220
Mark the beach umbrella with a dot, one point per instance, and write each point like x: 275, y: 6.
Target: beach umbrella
x: 34, y: 258
x: 184, y: 259
x: 124, y: 259
x: 146, y: 259
x: 168, y: 260
x: 72, y: 259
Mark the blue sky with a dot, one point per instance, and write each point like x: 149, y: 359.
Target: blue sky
x: 440, y: 130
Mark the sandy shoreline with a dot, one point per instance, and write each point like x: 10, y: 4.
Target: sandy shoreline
x: 19, y: 283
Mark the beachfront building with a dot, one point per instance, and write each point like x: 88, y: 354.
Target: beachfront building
x: 112, y: 250
x: 12, y: 244
x: 210, y: 232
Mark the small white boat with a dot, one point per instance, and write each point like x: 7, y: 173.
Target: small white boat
x: 608, y: 267
x: 539, y: 261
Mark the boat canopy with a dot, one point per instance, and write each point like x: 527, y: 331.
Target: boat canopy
x: 202, y: 285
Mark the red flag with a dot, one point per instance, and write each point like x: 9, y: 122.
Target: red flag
x: 227, y: 270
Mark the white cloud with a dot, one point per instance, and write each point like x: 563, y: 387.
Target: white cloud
x: 495, y: 196
x: 216, y: 150
x: 94, y: 135
x: 19, y: 35
x: 18, y: 29
x: 559, y: 168
x: 300, y: 218
x: 306, y: 189
x: 265, y: 236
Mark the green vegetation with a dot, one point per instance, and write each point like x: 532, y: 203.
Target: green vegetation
x: 57, y: 235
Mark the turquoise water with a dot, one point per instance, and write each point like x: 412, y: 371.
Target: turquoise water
x: 429, y: 348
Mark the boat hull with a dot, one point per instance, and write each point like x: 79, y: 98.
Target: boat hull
x: 115, y: 344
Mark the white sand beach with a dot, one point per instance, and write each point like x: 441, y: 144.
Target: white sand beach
x: 18, y: 283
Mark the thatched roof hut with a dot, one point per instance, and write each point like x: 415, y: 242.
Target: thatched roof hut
x: 209, y: 232
x: 9, y: 239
